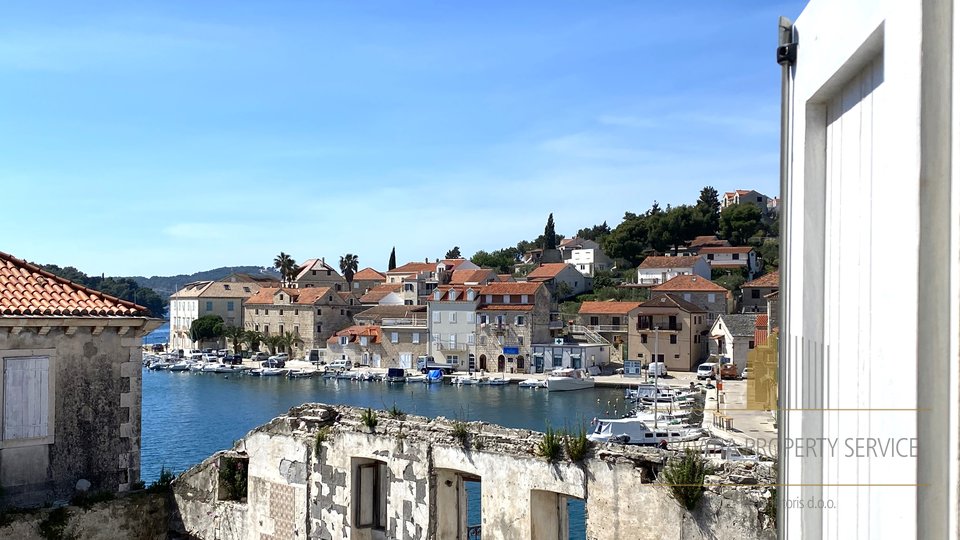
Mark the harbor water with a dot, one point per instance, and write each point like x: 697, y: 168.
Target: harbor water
x: 188, y: 416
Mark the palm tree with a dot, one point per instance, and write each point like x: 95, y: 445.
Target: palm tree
x: 272, y: 342
x: 348, y: 266
x: 253, y: 339
x: 236, y: 335
x: 286, y: 265
x: 289, y: 340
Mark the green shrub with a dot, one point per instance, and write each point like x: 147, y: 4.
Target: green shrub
x: 369, y: 418
x: 577, y: 444
x: 53, y: 525
x: 322, y: 435
x: 233, y: 478
x: 163, y: 482
x: 461, y: 433
x: 551, y: 445
x: 396, y: 413
x: 685, y: 477
x: 86, y: 500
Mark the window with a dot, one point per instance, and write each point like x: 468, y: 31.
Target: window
x: 755, y: 293
x: 483, y: 340
x: 266, y: 329
x: 436, y: 316
x: 750, y: 345
x: 594, y: 321
x: 246, y: 289
x: 453, y: 316
x: 520, y: 320
x: 736, y: 256
x: 524, y: 299
x: 209, y: 305
x: 27, y: 407
x: 363, y: 341
x: 436, y: 295
x: 370, y: 494
x: 281, y: 312
x: 711, y: 297
x: 453, y: 340
x: 643, y: 338
x: 256, y: 328
x: 313, y: 272
x: 256, y: 311
x: 686, y: 296
x: 296, y: 329
x: 229, y: 305
x: 506, y: 299
x: 281, y: 329
x: 471, y: 317
x: 709, y: 256
x: 436, y: 338
x: 356, y: 285
x: 470, y: 339
x: 281, y: 296
x: 341, y: 312
x: 483, y: 319
x: 489, y: 298
x: 415, y: 337
x: 319, y: 328
x: 343, y: 340
x: 266, y: 311
x: 501, y: 319
x: 470, y: 295
x: 408, y: 302
x: 673, y: 339
x: 296, y: 312
x: 394, y: 337
x: 318, y: 311
x: 453, y: 295
x: 520, y: 340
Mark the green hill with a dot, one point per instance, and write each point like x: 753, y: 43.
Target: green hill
x: 167, y: 285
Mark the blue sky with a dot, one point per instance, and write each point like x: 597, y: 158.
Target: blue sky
x: 165, y: 138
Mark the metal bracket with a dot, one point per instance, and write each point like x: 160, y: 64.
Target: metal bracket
x: 787, y: 54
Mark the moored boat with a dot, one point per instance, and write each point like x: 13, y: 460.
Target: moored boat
x: 642, y: 431
x: 566, y: 379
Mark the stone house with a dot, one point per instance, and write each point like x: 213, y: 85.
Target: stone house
x: 404, y: 332
x: 611, y: 320
x: 732, y: 257
x: 585, y: 255
x: 453, y: 326
x: 511, y: 317
x: 699, y: 291
x: 70, y: 359
x: 563, y: 280
x: 667, y: 329
x: 754, y: 297
x: 366, y: 279
x: 745, y: 196
x: 387, y: 294
x: 655, y: 270
x: 359, y: 344
x: 417, y: 280
x: 317, y: 273
x: 223, y: 297
x: 734, y: 335
x: 313, y: 314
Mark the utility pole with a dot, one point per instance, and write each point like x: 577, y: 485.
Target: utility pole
x: 656, y: 375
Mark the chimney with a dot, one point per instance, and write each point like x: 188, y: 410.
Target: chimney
x: 323, y: 260
x: 426, y: 259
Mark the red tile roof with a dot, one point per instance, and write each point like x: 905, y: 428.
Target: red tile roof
x: 503, y: 278
x: 356, y: 332
x: 507, y: 307
x: 608, y: 308
x: 761, y: 321
x: 511, y: 287
x: 683, y: 261
x: 771, y: 279
x: 305, y: 296
x: 708, y: 240
x: 726, y: 249
x: 687, y: 282
x: 414, y: 268
x: 547, y: 270
x: 377, y: 293
x: 369, y: 274
x: 482, y: 275
x: 460, y: 293
x: 27, y: 290
x: 669, y: 300
x: 315, y: 264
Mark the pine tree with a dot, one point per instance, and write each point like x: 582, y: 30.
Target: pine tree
x: 393, y: 259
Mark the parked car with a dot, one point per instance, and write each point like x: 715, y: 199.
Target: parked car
x: 273, y: 361
x: 283, y: 356
x: 339, y: 365
x: 745, y: 374
x: 729, y: 371
x: 657, y: 369
x: 706, y: 370
x: 259, y: 356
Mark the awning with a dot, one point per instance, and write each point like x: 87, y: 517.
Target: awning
x: 538, y: 355
x: 575, y: 356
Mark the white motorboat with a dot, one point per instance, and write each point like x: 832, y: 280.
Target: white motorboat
x: 416, y: 378
x: 495, y: 382
x: 196, y: 366
x: 349, y: 375
x: 210, y: 367
x: 565, y: 379
x: 182, y: 365
x: 468, y: 379
x: 641, y: 431
x: 533, y: 383
x: 161, y: 365
x: 228, y: 368
x: 272, y: 372
x: 301, y: 373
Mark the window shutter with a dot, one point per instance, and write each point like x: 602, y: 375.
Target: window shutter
x: 25, y: 397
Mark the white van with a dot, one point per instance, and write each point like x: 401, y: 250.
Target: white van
x: 706, y: 370
x: 339, y: 365
x: 657, y: 369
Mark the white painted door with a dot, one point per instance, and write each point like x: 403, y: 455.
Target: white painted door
x: 25, y: 397
x: 406, y: 360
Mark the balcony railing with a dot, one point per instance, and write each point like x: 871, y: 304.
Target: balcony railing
x: 663, y: 327
x: 447, y: 347
x: 404, y: 322
x: 607, y: 327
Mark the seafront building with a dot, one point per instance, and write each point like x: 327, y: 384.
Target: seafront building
x: 223, y: 297
x: 70, y: 362
x: 311, y: 314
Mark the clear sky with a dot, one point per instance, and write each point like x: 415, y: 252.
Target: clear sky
x: 143, y: 138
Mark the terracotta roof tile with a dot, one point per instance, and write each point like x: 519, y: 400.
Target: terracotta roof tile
x: 511, y: 287
x: 482, y: 275
x: 547, y: 271
x: 771, y: 279
x: 414, y: 268
x: 369, y: 274
x: 356, y: 332
x: 377, y: 293
x: 761, y: 321
x: 612, y: 308
x: 504, y: 278
x: 669, y: 300
x: 315, y: 264
x: 27, y: 290
x: 683, y: 261
x: 687, y: 282
x: 507, y: 307
x: 708, y: 241
x: 305, y: 296
x: 726, y: 249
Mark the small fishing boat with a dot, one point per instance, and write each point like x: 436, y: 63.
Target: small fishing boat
x: 460, y: 380
x: 416, y: 378
x: 565, y: 379
x: 533, y: 383
x: 182, y: 365
x: 301, y: 373
x: 395, y: 375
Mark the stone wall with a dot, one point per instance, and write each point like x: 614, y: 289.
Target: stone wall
x: 304, y: 481
x: 96, y: 411
x: 137, y: 516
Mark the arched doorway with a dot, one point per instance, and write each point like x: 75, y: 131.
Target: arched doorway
x: 483, y: 362
x: 520, y: 364
x: 501, y: 362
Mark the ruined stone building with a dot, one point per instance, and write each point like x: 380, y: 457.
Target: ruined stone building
x: 71, y: 360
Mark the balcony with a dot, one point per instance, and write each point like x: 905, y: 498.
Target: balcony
x: 607, y: 327
x: 663, y: 326
x: 447, y: 347
x: 404, y: 322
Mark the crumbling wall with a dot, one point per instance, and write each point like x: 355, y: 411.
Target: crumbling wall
x: 302, y: 483
x: 137, y: 516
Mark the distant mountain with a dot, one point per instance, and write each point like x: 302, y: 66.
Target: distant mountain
x: 167, y: 285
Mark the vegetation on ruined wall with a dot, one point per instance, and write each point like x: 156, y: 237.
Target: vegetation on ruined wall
x: 576, y: 444
x: 684, y: 476
x: 233, y: 478
x: 369, y: 418
x: 550, y: 446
